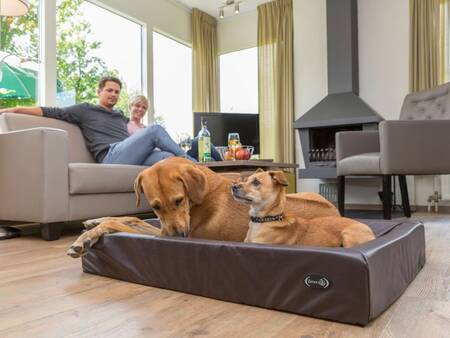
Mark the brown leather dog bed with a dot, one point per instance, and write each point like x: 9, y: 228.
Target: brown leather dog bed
x: 347, y: 285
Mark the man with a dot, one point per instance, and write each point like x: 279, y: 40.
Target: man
x: 105, y: 129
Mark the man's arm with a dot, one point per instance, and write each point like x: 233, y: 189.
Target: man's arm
x: 37, y: 111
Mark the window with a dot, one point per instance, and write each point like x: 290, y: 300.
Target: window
x: 19, y: 58
x: 172, y: 83
x: 239, y: 81
x: 92, y: 42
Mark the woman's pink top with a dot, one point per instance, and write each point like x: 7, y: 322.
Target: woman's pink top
x: 133, y: 127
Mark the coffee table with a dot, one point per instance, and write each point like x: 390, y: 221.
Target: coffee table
x: 246, y: 168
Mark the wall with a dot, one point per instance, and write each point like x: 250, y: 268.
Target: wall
x: 237, y: 32
x: 310, y: 67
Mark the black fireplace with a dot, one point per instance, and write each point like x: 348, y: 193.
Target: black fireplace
x: 342, y: 109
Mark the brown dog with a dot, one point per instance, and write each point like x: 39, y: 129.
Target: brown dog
x: 265, y: 193
x: 192, y: 200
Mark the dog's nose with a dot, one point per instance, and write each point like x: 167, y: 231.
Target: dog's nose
x: 235, y: 187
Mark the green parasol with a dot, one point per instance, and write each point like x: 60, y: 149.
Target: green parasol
x: 18, y: 84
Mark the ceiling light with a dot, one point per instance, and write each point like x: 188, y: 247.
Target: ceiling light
x: 13, y: 7
x: 228, y: 3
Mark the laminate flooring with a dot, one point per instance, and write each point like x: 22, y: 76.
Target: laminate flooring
x: 44, y: 293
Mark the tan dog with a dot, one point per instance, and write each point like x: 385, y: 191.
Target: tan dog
x: 192, y: 200
x: 265, y: 193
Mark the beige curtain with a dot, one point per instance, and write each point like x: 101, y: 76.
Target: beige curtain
x: 428, y: 43
x: 205, y: 69
x: 276, y: 80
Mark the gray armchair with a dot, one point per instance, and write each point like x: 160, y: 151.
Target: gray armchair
x: 414, y: 145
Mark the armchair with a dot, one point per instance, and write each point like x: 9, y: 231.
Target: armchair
x: 414, y: 145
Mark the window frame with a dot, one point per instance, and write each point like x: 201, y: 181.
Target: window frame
x: 47, y: 52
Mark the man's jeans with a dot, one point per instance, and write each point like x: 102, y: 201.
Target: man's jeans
x: 146, y: 147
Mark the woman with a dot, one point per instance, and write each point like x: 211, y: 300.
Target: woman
x: 138, y: 107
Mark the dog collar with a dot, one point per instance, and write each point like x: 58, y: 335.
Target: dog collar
x: 266, y: 219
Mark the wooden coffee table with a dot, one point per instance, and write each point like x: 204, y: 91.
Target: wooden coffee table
x: 246, y: 168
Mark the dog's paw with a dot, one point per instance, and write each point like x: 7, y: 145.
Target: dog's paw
x: 75, y: 251
x: 92, y: 223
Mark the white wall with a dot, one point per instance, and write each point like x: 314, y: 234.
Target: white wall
x: 237, y: 32
x: 383, y: 38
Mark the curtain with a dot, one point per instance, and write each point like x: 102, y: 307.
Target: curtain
x: 276, y: 80
x: 205, y: 69
x: 428, y: 43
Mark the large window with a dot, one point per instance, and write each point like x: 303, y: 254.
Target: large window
x: 239, y: 81
x: 172, y: 82
x: 92, y: 42
x: 19, y: 58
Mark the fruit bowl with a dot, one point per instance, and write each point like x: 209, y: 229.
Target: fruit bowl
x: 242, y: 153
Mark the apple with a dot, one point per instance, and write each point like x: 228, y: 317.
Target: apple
x: 242, y: 154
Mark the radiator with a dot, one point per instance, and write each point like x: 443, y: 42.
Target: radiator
x: 329, y: 191
x: 445, y: 187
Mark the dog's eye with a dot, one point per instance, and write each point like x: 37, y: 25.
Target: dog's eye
x: 256, y: 183
x: 178, y: 201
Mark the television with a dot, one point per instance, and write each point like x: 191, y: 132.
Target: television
x: 220, y: 124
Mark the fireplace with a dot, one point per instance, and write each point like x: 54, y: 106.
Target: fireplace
x: 342, y: 109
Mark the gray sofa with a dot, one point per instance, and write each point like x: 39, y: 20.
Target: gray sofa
x: 48, y: 176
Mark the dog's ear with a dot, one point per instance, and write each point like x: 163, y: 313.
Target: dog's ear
x: 195, y: 182
x: 278, y: 176
x: 259, y: 170
x: 138, y: 189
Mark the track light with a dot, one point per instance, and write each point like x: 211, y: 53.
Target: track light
x: 227, y: 3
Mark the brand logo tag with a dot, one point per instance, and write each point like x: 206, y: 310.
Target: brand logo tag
x: 317, y: 282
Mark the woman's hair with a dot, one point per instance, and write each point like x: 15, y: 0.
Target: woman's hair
x: 137, y: 99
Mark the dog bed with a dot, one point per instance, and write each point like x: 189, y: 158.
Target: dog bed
x: 347, y: 285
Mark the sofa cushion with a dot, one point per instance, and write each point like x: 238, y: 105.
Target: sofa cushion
x: 96, y: 178
x: 363, y: 164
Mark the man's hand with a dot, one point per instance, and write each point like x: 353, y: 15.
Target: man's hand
x: 36, y: 111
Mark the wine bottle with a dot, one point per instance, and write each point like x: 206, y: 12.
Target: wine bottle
x: 204, y: 143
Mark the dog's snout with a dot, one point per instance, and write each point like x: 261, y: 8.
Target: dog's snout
x: 180, y: 233
x: 235, y: 187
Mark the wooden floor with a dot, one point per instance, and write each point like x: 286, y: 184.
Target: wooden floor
x: 44, y: 293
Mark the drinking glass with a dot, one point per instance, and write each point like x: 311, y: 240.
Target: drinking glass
x: 185, y: 141
x: 233, y: 143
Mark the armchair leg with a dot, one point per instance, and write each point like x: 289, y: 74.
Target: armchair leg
x: 51, y: 231
x: 341, y: 194
x: 405, y: 198
x: 387, y: 197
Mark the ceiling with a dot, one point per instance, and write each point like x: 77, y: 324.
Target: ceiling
x: 212, y: 6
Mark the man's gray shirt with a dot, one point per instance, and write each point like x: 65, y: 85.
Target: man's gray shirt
x: 99, y: 126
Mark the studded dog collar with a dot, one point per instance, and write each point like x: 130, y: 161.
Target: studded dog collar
x: 266, y: 219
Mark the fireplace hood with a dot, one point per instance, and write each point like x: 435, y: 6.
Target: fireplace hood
x: 342, y: 106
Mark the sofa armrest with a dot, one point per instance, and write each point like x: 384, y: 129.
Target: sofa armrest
x: 350, y: 143
x: 416, y: 147
x: 34, y: 175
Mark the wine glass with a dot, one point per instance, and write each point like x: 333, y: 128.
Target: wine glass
x: 233, y: 143
x: 185, y: 141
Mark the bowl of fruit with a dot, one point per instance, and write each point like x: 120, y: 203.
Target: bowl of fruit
x: 241, y: 153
